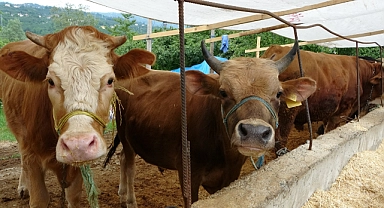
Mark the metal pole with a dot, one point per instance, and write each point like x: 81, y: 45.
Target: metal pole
x: 185, y: 143
x: 358, y: 81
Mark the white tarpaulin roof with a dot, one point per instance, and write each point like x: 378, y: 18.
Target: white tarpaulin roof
x: 347, y: 19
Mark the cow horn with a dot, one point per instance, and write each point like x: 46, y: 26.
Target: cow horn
x: 213, y: 62
x: 118, y: 41
x: 283, y: 63
x: 38, y: 39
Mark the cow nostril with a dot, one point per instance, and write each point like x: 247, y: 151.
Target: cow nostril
x: 64, y: 145
x: 92, y: 143
x: 247, y: 131
x: 266, y: 135
x: 243, y: 130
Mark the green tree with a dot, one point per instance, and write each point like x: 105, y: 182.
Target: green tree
x: 70, y: 15
x: 13, y: 31
x: 124, y: 26
x: 3, y: 42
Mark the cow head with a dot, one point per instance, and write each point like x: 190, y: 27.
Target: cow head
x: 250, y: 94
x: 78, y: 71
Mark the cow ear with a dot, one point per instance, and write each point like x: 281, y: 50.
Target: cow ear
x: 24, y: 67
x: 298, y: 90
x: 199, y: 83
x: 376, y: 79
x: 132, y: 64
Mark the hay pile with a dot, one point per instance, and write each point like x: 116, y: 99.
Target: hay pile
x: 360, y: 184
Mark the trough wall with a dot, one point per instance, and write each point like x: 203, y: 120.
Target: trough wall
x: 291, y: 179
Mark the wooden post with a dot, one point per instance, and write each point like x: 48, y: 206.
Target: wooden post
x: 149, y: 40
x: 258, y: 46
x: 212, y: 47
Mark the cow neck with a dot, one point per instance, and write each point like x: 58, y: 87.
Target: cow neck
x: 238, y: 105
x: 372, y: 86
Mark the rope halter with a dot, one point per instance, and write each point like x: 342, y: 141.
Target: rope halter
x: 234, y: 108
x: 67, y: 116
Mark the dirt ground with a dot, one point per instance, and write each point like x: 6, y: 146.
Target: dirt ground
x: 153, y: 189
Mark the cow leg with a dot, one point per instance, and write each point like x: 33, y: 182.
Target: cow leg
x: 333, y: 123
x: 73, y: 183
x: 39, y: 196
x: 73, y: 192
x: 286, y: 123
x: 22, y: 188
x: 195, y: 185
x: 127, y: 175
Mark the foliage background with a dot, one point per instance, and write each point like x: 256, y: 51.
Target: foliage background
x: 16, y: 19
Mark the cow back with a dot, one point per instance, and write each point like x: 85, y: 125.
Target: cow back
x: 336, y: 79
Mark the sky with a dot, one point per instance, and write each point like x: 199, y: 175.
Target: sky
x: 61, y: 3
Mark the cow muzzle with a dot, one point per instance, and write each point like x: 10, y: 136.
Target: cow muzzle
x: 252, y: 136
x: 76, y: 147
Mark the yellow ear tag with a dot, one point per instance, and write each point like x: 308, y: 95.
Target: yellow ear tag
x: 291, y: 101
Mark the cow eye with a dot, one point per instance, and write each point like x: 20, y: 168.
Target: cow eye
x: 223, y: 94
x: 279, y: 94
x: 51, y: 83
x: 110, y: 81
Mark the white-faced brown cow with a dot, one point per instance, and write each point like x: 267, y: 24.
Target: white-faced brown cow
x: 56, y: 100
x: 246, y: 94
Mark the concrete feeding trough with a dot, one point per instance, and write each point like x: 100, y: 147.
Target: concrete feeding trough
x: 290, y: 180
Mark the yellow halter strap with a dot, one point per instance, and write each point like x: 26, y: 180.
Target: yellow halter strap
x: 67, y: 116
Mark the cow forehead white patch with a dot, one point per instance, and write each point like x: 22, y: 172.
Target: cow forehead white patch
x: 80, y: 65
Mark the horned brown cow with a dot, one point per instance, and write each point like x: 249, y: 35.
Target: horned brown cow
x: 336, y: 96
x: 246, y: 94
x: 56, y: 101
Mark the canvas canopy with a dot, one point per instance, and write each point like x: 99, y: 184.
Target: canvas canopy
x: 361, y: 18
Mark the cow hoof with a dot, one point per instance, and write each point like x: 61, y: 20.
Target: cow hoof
x: 23, y: 192
x: 128, y: 205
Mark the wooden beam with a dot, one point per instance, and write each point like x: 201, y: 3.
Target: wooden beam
x: 238, y: 21
x: 350, y: 37
x: 250, y: 32
x: 323, y: 40
x: 265, y: 48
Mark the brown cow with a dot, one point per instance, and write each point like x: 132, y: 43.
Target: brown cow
x: 336, y: 96
x: 246, y: 95
x: 59, y: 104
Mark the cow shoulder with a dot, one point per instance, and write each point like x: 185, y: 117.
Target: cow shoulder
x: 199, y: 83
x: 24, y: 67
x: 298, y: 89
x: 132, y: 64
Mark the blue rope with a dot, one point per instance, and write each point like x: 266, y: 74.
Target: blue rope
x: 259, y: 163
